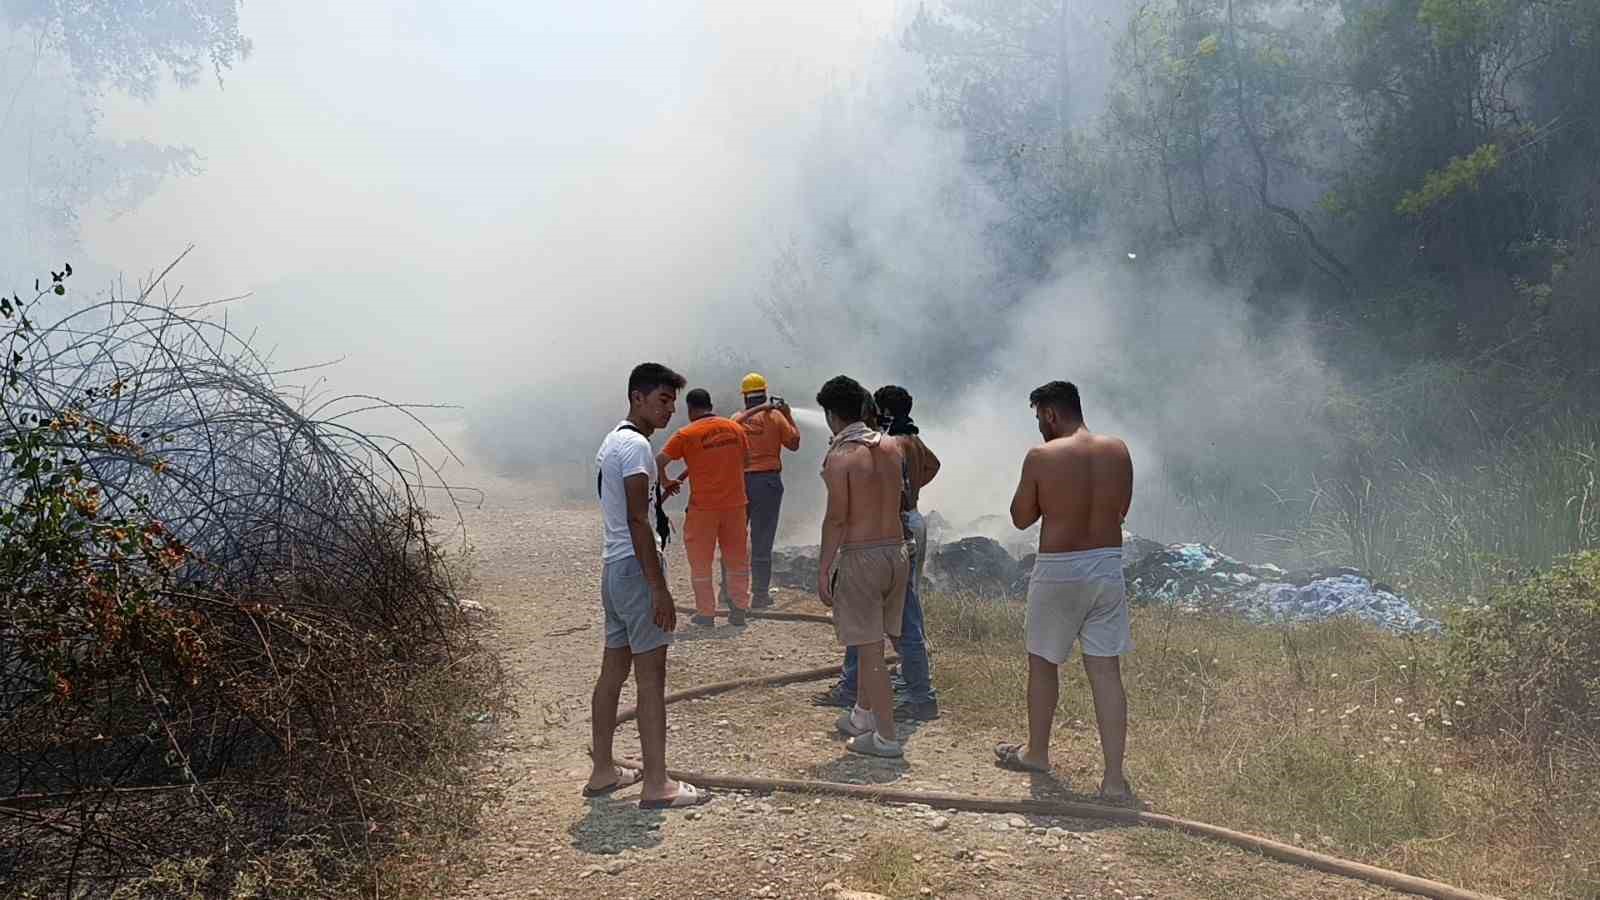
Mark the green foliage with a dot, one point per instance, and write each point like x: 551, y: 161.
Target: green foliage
x: 1457, y: 22
x: 1461, y: 175
x: 1451, y: 478
x: 1527, y: 662
x: 82, y: 592
x: 235, y: 706
x: 1334, y: 204
x: 1391, y: 110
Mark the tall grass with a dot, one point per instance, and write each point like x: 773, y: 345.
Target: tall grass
x: 1454, y: 530
x: 1443, y: 480
x: 1334, y: 735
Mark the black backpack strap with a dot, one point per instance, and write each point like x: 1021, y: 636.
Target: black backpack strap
x: 663, y: 524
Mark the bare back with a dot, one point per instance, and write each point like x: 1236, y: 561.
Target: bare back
x: 1082, y: 486
x: 872, y: 479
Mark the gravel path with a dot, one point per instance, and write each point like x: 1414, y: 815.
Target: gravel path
x: 538, y: 575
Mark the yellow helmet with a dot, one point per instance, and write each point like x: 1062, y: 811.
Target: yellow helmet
x: 752, y: 384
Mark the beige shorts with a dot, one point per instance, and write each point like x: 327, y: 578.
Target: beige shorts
x: 869, y: 591
x: 1078, y: 596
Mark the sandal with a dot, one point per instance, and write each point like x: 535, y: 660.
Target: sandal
x: 1009, y: 756
x: 688, y: 795
x: 626, y: 777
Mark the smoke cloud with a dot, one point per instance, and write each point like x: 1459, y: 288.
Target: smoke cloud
x: 506, y: 206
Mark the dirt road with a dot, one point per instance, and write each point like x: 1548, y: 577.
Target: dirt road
x: 538, y: 575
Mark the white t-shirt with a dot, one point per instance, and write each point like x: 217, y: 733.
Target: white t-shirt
x: 623, y: 453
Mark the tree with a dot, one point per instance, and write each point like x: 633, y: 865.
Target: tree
x: 1004, y: 73
x: 60, y: 58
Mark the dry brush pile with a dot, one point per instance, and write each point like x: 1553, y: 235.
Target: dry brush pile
x: 227, y: 625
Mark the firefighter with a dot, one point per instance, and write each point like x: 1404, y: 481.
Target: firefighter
x: 769, y: 425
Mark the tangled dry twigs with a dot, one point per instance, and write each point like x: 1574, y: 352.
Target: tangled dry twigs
x: 227, y: 618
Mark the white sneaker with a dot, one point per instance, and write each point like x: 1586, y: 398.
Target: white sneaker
x: 870, y: 744
x: 856, y: 722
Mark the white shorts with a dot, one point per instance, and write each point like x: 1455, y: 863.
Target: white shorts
x: 1078, y: 596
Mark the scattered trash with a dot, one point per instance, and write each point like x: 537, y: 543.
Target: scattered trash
x: 1189, y: 575
x: 1198, y: 576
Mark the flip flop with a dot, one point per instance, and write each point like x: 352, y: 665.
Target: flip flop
x: 1009, y: 756
x: 625, y: 778
x: 688, y: 795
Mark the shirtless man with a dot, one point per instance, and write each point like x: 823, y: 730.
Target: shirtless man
x: 1082, y: 484
x: 864, y: 565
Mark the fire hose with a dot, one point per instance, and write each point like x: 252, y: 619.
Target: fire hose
x: 1282, y: 852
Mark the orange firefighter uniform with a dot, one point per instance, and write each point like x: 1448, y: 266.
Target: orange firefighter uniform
x: 715, y: 450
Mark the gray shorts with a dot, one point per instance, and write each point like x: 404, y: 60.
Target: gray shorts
x: 1078, y: 597
x: 630, y: 615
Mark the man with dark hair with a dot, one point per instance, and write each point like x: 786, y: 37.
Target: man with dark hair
x: 1081, y: 484
x: 769, y: 424
x: 893, y: 406
x: 714, y: 450
x: 864, y: 564
x: 1061, y: 396
x: 639, y: 615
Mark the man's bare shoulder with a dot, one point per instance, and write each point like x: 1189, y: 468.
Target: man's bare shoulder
x: 1058, y: 450
x: 1108, y: 445
x: 844, y: 456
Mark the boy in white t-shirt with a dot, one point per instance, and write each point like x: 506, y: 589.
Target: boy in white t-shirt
x: 639, y: 612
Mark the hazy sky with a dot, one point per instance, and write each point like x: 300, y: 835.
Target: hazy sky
x: 476, y: 179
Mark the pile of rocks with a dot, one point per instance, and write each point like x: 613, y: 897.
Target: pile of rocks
x: 1192, y: 576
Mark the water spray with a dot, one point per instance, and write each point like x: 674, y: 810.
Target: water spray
x: 807, y: 416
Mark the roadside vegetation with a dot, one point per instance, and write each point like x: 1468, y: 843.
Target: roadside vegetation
x: 1473, y: 758
x: 232, y: 660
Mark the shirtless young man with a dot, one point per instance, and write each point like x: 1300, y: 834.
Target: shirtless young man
x: 921, y: 702
x: 1081, y: 483
x: 864, y: 564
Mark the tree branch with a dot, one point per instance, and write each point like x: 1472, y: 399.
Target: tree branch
x: 1340, y: 272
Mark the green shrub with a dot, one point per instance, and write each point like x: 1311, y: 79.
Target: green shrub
x: 227, y: 626
x: 1527, y: 662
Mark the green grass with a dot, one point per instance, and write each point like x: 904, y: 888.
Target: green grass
x: 1309, y: 782
x: 1334, y: 736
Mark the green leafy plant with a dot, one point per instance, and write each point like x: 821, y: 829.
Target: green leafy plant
x: 82, y: 591
x: 1463, y: 174
x: 1527, y: 662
